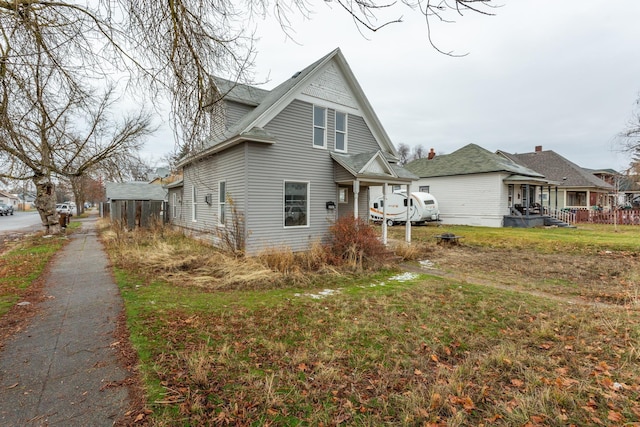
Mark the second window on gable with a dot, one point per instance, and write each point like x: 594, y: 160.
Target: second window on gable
x: 341, y: 131
x: 319, y: 127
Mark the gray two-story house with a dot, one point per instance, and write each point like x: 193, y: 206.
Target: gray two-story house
x: 288, y: 162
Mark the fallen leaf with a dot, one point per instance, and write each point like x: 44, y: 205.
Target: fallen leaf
x: 615, y: 416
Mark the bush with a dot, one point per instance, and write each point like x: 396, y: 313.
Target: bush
x: 354, y: 243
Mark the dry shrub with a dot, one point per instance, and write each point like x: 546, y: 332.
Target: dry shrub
x: 354, y: 244
x: 411, y: 251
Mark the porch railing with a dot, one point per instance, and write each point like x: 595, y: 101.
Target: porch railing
x: 562, y: 215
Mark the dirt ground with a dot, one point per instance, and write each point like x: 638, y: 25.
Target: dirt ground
x: 608, y: 277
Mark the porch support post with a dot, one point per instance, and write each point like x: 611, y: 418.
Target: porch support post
x: 356, y: 191
x: 556, y: 197
x: 384, y: 214
x: 407, y: 229
x: 526, y: 205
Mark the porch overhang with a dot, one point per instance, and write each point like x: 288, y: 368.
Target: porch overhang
x: 370, y: 169
x: 532, y: 180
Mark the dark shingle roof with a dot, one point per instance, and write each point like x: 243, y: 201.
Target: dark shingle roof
x: 470, y: 159
x: 557, y: 168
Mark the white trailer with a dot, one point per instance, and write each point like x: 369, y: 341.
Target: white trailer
x: 423, y: 207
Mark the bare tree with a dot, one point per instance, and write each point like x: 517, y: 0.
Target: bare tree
x: 630, y: 138
x: 404, y: 151
x: 176, y: 46
x: 419, y: 152
x: 51, y: 126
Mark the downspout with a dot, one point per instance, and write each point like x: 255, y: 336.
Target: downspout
x: 384, y: 214
x: 407, y: 229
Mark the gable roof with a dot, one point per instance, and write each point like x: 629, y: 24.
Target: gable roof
x: 470, y: 159
x: 372, y: 165
x: 557, y: 168
x: 268, y: 104
x: 135, y: 191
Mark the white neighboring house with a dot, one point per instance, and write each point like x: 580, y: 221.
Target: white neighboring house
x: 9, y: 199
x: 476, y: 187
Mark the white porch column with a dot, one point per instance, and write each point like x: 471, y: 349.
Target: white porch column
x: 407, y: 229
x: 384, y: 214
x: 356, y: 191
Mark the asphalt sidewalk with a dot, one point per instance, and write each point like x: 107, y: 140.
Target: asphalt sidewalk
x: 62, y: 369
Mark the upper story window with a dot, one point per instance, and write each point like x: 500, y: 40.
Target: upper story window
x: 319, y: 127
x: 341, y: 131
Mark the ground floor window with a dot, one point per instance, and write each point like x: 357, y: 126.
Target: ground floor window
x: 222, y: 201
x: 194, y: 203
x: 343, y: 194
x: 296, y: 204
x: 576, y: 198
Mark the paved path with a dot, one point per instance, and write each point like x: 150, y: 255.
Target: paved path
x: 61, y: 369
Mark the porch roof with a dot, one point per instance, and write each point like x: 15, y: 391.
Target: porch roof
x: 373, y: 168
x: 522, y: 179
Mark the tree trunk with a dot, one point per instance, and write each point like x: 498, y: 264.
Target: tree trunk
x: 45, y: 202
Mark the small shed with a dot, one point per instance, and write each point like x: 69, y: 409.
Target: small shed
x: 135, y: 204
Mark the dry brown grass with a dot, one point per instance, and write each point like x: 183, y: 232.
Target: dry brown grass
x: 168, y: 255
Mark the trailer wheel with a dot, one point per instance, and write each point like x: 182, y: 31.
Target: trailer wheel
x: 389, y: 223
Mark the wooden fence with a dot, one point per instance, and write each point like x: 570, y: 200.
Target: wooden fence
x: 135, y: 213
x: 622, y: 216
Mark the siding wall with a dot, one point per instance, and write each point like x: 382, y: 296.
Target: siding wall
x: 480, y: 200
x: 255, y: 174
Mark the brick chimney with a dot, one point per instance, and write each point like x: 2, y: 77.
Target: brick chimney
x: 431, y: 154
x: 538, y: 148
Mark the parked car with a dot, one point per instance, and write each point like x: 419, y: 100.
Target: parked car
x: 6, y: 209
x: 64, y: 208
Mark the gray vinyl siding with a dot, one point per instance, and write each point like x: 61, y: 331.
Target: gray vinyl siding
x: 255, y: 174
x: 235, y: 111
x: 205, y: 175
x: 292, y: 158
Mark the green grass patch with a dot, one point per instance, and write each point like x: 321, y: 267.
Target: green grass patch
x: 390, y: 348
x: 23, y: 263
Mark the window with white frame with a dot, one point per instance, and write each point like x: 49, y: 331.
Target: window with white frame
x: 296, y: 204
x: 222, y: 202
x: 423, y: 189
x: 194, y: 203
x: 175, y: 205
x: 319, y: 127
x: 343, y: 193
x: 341, y: 131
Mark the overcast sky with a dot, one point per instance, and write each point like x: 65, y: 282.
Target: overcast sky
x: 561, y: 74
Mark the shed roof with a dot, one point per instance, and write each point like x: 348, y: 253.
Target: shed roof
x: 470, y: 159
x: 557, y: 168
x: 135, y: 191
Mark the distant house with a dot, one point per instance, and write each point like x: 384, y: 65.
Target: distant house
x: 626, y: 188
x: 578, y: 188
x: 474, y: 186
x: 135, y: 204
x: 9, y: 199
x: 287, y: 162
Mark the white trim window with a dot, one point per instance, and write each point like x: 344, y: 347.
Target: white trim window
x: 194, y: 203
x: 341, y: 132
x: 296, y: 204
x: 222, y: 202
x: 319, y: 127
x: 343, y: 195
x: 175, y: 205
